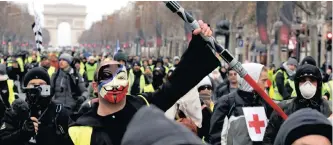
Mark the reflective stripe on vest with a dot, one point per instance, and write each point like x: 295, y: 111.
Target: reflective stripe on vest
x: 50, y: 71
x: 81, y: 135
x: 90, y: 71
x: 277, y: 96
x: 10, y: 84
x: 131, y: 81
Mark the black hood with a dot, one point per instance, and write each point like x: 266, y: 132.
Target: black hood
x: 302, y: 123
x: 316, y: 100
x: 149, y: 126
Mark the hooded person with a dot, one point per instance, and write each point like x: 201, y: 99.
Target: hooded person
x: 7, y: 90
x: 308, y: 85
x: 305, y: 126
x: 228, y: 125
x: 280, y: 79
x: 325, y: 88
x: 106, y: 121
x: 37, y: 116
x: 176, y: 60
x: 143, y: 130
x: 68, y: 85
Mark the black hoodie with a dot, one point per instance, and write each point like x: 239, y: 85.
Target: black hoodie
x: 149, y: 126
x: 302, y: 123
x: 291, y: 106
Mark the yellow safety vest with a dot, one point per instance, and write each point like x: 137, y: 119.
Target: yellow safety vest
x: 90, y: 71
x: 51, y: 70
x: 29, y: 60
x: 148, y: 88
x: 81, y: 68
x: 327, y: 87
x: 81, y: 135
x: 277, y: 96
x: 9, y: 61
x: 270, y: 75
x: 2, y: 61
x: 20, y: 63
x: 10, y: 84
x: 131, y: 81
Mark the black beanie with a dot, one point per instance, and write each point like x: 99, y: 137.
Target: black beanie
x: 36, y: 73
x: 309, y: 60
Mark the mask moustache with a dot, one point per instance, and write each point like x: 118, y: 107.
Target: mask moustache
x: 308, y: 90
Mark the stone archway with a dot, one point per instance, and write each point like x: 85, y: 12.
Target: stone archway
x: 74, y: 15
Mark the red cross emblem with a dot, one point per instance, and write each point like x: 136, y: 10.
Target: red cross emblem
x: 256, y: 123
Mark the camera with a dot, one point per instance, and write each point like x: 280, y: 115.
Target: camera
x: 39, y: 90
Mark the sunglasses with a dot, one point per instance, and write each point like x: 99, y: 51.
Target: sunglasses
x: 208, y: 87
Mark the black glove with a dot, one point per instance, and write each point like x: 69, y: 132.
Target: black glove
x: 28, y: 127
x: 81, y: 99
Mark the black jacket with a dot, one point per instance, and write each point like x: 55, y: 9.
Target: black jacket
x: 178, y: 85
x: 232, y: 104
x: 48, y: 133
x: 291, y: 106
x: 281, y: 86
x: 4, y: 97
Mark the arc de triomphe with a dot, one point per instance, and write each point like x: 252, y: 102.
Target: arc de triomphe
x: 74, y: 15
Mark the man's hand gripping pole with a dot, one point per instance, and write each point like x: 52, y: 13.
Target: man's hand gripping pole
x: 225, y: 54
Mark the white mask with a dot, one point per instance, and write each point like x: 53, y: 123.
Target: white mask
x: 308, y: 90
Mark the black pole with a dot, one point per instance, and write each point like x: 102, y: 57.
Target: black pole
x: 318, y: 55
x: 298, y: 49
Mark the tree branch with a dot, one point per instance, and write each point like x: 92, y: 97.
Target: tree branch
x: 302, y: 7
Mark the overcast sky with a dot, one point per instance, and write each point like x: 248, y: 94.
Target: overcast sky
x: 95, y: 10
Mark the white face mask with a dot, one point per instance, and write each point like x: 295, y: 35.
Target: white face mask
x: 308, y: 90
